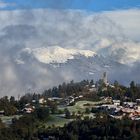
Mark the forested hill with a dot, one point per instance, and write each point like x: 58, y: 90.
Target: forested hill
x: 39, y: 117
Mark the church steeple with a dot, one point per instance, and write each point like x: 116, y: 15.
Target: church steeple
x: 105, y: 78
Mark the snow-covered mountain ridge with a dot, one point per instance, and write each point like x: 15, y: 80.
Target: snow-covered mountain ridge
x: 88, y: 44
x: 58, y: 54
x: 123, y: 52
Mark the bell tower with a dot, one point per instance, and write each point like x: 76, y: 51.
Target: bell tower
x: 105, y: 78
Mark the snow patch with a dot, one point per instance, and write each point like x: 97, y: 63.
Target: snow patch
x: 58, y: 54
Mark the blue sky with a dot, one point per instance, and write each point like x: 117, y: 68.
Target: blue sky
x: 89, y: 5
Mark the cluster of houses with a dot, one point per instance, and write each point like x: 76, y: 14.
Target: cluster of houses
x: 30, y: 107
x: 118, y: 110
x: 71, y: 99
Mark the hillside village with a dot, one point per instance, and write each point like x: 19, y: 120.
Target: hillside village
x: 114, y: 107
x: 69, y: 104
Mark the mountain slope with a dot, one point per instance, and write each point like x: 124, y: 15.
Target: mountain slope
x: 62, y: 45
x: 56, y: 54
x: 56, y: 64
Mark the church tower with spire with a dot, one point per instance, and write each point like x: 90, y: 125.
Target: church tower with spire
x: 105, y: 78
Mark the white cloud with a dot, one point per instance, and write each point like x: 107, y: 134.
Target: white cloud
x: 102, y: 32
x: 5, y: 4
x: 129, y: 20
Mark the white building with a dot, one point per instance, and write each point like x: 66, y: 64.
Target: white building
x: 116, y: 102
x: 42, y: 101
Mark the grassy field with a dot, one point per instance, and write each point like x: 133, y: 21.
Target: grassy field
x: 8, y: 119
x: 80, y: 106
x: 59, y: 120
